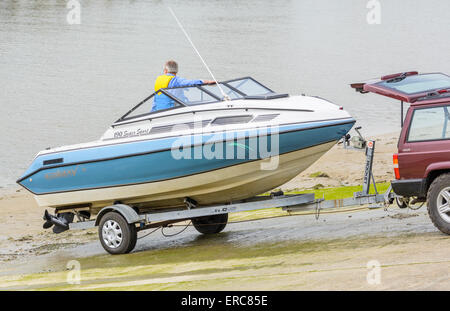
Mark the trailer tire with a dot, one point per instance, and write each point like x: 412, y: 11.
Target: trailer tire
x: 210, y: 224
x: 437, y: 193
x: 116, y: 235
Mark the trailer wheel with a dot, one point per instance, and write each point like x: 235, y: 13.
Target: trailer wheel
x: 116, y: 235
x: 438, y: 202
x: 210, y: 224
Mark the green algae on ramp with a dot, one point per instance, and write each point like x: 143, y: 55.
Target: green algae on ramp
x: 210, y: 265
x: 175, y: 262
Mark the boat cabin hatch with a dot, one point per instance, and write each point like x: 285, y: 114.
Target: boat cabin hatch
x: 410, y: 87
x: 242, y: 88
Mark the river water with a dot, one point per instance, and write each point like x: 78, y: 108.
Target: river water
x: 64, y: 84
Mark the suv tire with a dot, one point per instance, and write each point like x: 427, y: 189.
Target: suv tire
x: 439, y: 195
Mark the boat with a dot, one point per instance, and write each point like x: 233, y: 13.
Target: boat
x: 218, y: 144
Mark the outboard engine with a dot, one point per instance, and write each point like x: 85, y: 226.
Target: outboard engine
x: 60, y: 221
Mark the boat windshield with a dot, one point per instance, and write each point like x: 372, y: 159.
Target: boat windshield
x: 205, y: 94
x: 214, y: 89
x: 249, y: 87
x: 191, y: 95
x: 201, y: 94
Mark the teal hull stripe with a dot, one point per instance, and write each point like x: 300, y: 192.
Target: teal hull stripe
x: 153, y: 165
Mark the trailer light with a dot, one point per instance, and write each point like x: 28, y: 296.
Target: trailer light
x: 396, y: 169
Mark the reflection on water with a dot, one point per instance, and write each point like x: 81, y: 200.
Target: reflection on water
x: 63, y: 84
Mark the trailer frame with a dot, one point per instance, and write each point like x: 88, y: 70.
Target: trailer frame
x: 289, y: 203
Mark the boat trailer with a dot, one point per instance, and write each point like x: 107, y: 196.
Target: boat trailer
x: 121, y: 222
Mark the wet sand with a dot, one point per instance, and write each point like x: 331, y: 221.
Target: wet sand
x: 297, y: 252
x: 289, y: 253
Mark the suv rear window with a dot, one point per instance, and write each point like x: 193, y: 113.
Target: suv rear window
x: 419, y: 83
x: 429, y: 124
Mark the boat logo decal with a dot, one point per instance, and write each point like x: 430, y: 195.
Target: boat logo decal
x: 131, y: 133
x: 59, y: 173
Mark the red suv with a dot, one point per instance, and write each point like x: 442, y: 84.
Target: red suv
x: 422, y: 164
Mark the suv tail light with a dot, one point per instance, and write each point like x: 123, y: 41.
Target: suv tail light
x: 396, y: 170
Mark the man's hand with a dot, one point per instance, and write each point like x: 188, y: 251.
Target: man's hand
x: 209, y: 82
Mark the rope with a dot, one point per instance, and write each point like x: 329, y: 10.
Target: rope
x: 170, y: 235
x: 415, y: 208
x: 149, y: 233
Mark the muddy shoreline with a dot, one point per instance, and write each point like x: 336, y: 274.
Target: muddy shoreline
x: 293, y: 253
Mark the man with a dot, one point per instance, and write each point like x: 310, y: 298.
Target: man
x: 168, y: 80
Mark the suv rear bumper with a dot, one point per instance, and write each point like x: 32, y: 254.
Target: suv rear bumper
x: 409, y: 187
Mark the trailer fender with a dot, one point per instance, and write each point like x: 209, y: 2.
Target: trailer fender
x: 126, y: 211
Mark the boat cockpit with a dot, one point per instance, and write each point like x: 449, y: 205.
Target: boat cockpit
x: 241, y: 88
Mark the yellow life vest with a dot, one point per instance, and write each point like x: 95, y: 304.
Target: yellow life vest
x: 162, y: 82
